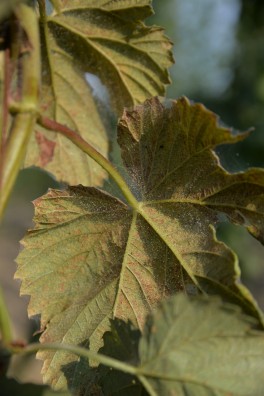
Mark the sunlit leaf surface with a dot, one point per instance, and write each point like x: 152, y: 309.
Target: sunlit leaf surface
x: 106, y: 39
x: 91, y: 257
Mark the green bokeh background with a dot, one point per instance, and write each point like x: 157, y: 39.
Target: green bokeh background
x: 219, y: 52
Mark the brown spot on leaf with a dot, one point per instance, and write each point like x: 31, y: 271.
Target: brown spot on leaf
x: 46, y: 148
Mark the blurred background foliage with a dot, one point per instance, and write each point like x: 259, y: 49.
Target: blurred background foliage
x: 219, y: 52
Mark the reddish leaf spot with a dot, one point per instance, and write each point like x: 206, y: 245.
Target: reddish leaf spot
x: 19, y: 343
x: 46, y: 148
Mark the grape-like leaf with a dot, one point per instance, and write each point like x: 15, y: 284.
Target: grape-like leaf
x: 109, y: 40
x: 200, y: 347
x: 91, y: 257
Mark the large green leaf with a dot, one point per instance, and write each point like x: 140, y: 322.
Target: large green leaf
x: 107, y: 39
x: 200, y: 347
x: 91, y: 257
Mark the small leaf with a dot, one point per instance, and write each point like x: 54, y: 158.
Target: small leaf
x: 201, y: 347
x: 109, y: 40
x: 92, y: 258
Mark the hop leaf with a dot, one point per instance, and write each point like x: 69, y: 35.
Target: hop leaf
x: 201, y: 347
x: 92, y: 258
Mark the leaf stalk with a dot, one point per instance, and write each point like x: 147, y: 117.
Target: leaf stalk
x: 92, y: 153
x: 83, y: 352
x: 27, y: 108
x: 5, y: 322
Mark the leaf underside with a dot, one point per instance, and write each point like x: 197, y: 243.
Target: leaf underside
x: 109, y: 40
x: 91, y: 257
x: 200, y: 347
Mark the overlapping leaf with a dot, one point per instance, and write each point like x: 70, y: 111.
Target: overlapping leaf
x: 121, y: 343
x: 107, y: 39
x: 200, y: 347
x: 91, y: 257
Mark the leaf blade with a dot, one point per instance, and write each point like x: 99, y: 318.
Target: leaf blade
x: 226, y: 354
x: 168, y: 152
x: 143, y: 254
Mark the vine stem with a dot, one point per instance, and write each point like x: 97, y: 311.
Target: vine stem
x: 5, y: 73
x: 82, y: 144
x: 6, y: 79
x: 5, y: 322
x: 93, y: 153
x: 26, y: 109
x: 97, y: 357
x: 106, y: 360
x: 2, y: 111
x: 147, y: 385
x: 113, y: 172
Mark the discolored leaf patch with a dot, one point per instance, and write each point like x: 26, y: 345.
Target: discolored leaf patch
x: 46, y: 149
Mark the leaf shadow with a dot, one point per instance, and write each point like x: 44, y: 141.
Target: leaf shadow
x: 85, y: 378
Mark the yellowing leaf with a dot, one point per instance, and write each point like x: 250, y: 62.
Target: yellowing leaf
x: 107, y: 39
x: 200, y: 347
x: 91, y: 257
